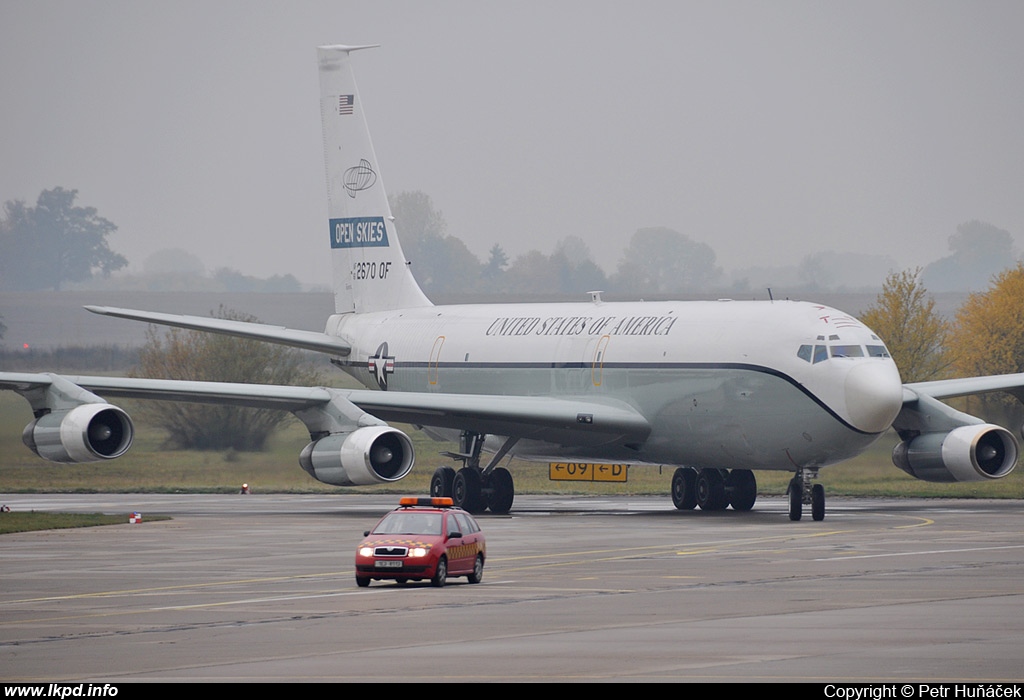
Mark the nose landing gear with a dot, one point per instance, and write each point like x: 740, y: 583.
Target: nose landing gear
x: 803, y: 491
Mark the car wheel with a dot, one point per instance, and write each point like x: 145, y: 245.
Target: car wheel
x: 478, y: 570
x: 440, y: 574
x: 362, y: 582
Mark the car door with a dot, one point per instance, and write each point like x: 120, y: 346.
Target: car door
x: 472, y: 540
x: 455, y: 546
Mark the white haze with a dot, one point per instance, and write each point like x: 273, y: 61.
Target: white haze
x: 767, y: 130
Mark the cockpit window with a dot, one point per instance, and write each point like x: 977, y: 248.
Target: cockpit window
x: 847, y: 351
x: 820, y: 353
x: 804, y: 353
x: 878, y: 351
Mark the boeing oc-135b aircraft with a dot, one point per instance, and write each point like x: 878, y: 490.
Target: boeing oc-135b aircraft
x: 717, y: 389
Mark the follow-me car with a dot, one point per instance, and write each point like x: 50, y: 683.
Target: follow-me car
x: 423, y: 539
x: 717, y: 389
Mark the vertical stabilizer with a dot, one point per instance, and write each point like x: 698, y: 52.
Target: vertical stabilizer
x: 370, y: 270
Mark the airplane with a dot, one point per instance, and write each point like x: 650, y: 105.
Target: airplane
x: 717, y: 389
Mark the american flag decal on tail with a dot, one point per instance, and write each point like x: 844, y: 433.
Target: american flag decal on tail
x: 346, y: 104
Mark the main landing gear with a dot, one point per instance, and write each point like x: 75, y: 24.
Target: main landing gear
x: 473, y: 488
x: 713, y: 489
x: 802, y: 491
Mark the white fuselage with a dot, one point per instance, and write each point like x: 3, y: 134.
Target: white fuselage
x: 724, y: 384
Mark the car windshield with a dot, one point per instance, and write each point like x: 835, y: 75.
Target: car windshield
x: 409, y: 523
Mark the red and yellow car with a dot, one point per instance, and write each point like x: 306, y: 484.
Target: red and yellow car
x: 422, y: 539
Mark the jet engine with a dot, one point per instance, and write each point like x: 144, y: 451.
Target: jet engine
x: 87, y: 433
x: 367, y: 455
x: 969, y: 453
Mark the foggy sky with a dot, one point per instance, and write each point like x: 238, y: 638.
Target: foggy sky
x: 767, y: 130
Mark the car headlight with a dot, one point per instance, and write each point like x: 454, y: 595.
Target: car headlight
x: 366, y: 551
x: 418, y: 552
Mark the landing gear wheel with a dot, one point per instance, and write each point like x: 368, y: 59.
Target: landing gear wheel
x: 441, y: 482
x: 684, y: 488
x: 467, y: 492
x: 499, y: 491
x: 796, y: 498
x: 440, y: 574
x: 478, y: 570
x: 818, y: 502
x: 742, y: 489
x: 362, y: 582
x: 711, y: 490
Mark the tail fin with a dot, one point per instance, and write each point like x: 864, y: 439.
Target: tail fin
x: 370, y: 270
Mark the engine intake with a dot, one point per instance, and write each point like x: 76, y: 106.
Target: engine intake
x: 88, y: 433
x: 969, y: 453
x: 368, y: 455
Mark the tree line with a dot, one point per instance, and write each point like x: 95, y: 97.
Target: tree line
x: 57, y: 242
x: 660, y: 261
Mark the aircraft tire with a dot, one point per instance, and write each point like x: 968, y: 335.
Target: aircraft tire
x: 684, y: 488
x: 499, y: 491
x: 441, y: 482
x: 711, y: 490
x: 796, y: 499
x: 467, y: 492
x: 818, y: 502
x: 742, y: 488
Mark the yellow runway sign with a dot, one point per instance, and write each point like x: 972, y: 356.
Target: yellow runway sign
x: 580, y: 471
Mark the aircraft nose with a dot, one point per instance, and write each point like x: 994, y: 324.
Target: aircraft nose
x: 874, y: 395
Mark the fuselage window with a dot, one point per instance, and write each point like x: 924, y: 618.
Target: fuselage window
x: 820, y: 353
x: 878, y: 351
x: 804, y: 353
x: 847, y: 351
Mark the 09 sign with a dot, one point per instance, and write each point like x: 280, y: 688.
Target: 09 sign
x: 584, y: 471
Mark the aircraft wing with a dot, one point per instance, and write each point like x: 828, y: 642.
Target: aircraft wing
x: 950, y: 388
x: 562, y: 421
x: 307, y: 340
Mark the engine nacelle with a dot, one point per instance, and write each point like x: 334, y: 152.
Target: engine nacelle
x: 970, y: 453
x: 369, y: 455
x: 87, y: 433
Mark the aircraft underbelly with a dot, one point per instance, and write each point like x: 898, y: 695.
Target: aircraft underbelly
x: 702, y: 417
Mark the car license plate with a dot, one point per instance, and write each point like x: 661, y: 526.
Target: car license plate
x: 388, y: 564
